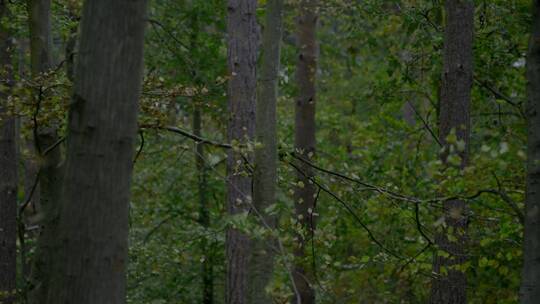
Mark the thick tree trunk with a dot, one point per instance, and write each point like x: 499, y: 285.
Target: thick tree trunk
x: 530, y: 276
x: 449, y: 284
x: 265, y: 170
x: 8, y: 173
x: 305, y: 192
x: 242, y: 59
x: 90, y: 262
x: 50, y: 171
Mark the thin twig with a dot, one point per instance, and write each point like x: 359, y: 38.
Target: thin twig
x: 141, y: 135
x: 350, y: 210
x: 425, y: 123
x: 505, y: 197
x: 500, y: 95
x: 53, y: 146
x: 196, y: 138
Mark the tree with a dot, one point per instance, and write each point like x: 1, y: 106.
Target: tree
x: 304, y: 139
x: 265, y: 170
x: 39, y: 21
x: 379, y: 185
x: 90, y: 261
x: 207, y: 269
x: 204, y: 214
x: 242, y: 60
x: 530, y: 276
x: 8, y: 165
x: 450, y: 283
x: 49, y: 171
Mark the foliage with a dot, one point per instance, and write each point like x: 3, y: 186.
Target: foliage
x: 381, y: 196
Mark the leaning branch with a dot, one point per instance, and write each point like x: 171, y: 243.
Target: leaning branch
x: 383, y: 191
x: 350, y: 210
x: 196, y: 138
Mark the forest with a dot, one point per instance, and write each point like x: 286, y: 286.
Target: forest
x: 269, y: 151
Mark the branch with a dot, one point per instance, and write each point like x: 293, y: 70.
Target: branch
x: 383, y: 191
x: 30, y: 195
x: 141, y: 135
x: 500, y: 95
x: 419, y: 224
x: 378, y: 189
x: 425, y: 14
x: 414, y: 257
x: 350, y: 210
x: 426, y: 125
x: 53, y: 146
x: 197, y: 139
x: 505, y: 197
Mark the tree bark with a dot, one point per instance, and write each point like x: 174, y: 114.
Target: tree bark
x: 8, y: 175
x: 50, y: 171
x: 39, y: 21
x: 449, y: 284
x: 242, y: 59
x: 265, y: 169
x: 530, y: 275
x: 90, y: 262
x: 305, y: 192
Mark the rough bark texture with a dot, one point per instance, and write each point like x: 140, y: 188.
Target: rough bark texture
x: 90, y: 263
x: 242, y: 57
x: 50, y: 171
x: 265, y: 171
x: 530, y: 276
x: 306, y: 70
x: 8, y: 173
x: 449, y: 285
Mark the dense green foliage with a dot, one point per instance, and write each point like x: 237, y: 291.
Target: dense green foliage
x: 382, y: 181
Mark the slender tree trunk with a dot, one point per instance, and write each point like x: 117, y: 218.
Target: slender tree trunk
x: 90, y: 262
x: 30, y: 169
x: 305, y: 192
x: 242, y: 59
x: 39, y: 21
x: 29, y: 159
x: 530, y: 276
x: 449, y: 285
x: 207, y: 269
x: 265, y: 170
x: 70, y: 50
x: 8, y: 175
x: 50, y: 171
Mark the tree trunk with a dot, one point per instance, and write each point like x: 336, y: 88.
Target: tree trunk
x: 8, y: 175
x: 530, y: 276
x: 39, y: 20
x: 449, y: 284
x: 305, y: 192
x: 204, y: 214
x: 207, y: 267
x: 242, y: 59
x: 50, y: 171
x: 265, y: 170
x: 90, y: 262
